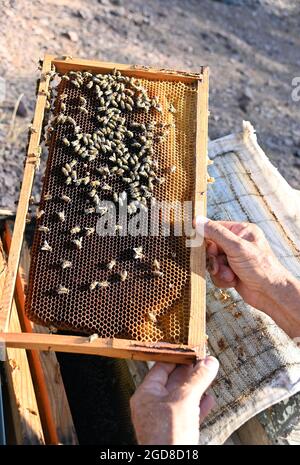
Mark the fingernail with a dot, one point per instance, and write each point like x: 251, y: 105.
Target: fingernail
x: 211, y: 362
x: 227, y: 275
x: 200, y: 220
x: 212, y: 265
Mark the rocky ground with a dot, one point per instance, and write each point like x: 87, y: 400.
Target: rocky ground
x: 253, y: 50
x: 252, y: 47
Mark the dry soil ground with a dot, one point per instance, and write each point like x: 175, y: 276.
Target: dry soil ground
x: 252, y: 47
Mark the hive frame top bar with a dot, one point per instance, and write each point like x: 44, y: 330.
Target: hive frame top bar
x: 65, y: 64
x: 115, y: 347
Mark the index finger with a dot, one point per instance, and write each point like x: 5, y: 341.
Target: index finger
x: 222, y: 236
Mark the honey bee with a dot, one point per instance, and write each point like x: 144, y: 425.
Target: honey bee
x: 46, y: 247
x: 62, y: 290
x: 83, y: 110
x: 43, y: 229
x: 77, y: 243
x: 123, y: 275
x: 152, y: 317
x: 47, y: 197
x: 89, y: 231
x: 157, y: 273
x: 138, y: 252
x: 172, y: 109
x: 75, y: 83
x: 103, y: 170
x: 155, y: 265
x: 102, y: 210
x: 39, y: 214
x: 65, y: 264
x: 106, y: 187
x: 71, y: 120
x: 32, y: 129
x: 103, y: 284
x: 52, y: 329
x: 82, y: 101
x: 92, y: 193
x: 65, y: 198
x: 89, y: 210
x: 111, y: 265
x: 93, y: 337
x: 96, y: 199
x: 64, y: 171
x: 66, y: 141
x: 61, y: 216
x: 94, y: 285
x: 75, y: 230
x: 95, y: 183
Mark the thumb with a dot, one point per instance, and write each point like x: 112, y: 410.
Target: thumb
x: 219, y: 234
x: 201, y: 377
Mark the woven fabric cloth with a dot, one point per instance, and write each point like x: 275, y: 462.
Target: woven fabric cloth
x: 259, y: 363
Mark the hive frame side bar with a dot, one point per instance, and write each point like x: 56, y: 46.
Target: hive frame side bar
x: 196, y: 337
x: 139, y: 71
x: 118, y: 348
x: 34, y: 361
x: 32, y: 159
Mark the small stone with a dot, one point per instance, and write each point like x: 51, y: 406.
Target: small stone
x: 9, y: 181
x: 296, y: 153
x: 288, y: 142
x: 118, y: 12
x: 71, y: 35
x: 22, y: 109
x: 245, y: 99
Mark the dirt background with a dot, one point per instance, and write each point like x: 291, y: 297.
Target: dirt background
x: 251, y: 46
x: 253, y: 50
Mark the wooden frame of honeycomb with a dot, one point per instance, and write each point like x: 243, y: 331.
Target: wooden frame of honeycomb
x: 186, y: 351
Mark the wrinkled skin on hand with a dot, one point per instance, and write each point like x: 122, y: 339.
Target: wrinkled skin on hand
x: 170, y: 403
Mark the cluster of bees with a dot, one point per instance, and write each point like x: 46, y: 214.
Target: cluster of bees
x: 124, y: 148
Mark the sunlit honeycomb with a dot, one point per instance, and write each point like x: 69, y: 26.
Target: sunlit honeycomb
x: 142, y: 308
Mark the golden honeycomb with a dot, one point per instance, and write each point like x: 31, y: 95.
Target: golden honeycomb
x: 142, y: 308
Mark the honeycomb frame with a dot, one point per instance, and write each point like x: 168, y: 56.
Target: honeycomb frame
x: 192, y: 336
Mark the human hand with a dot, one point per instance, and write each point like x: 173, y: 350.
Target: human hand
x: 240, y: 256
x: 167, y: 407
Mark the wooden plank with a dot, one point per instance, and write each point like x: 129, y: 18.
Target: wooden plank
x: 196, y: 337
x: 121, y: 348
x: 139, y: 71
x: 30, y: 167
x: 25, y: 415
x: 55, y: 387
x: 37, y: 374
x: 2, y: 425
